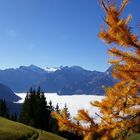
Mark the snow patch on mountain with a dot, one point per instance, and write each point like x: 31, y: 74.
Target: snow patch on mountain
x: 53, y: 69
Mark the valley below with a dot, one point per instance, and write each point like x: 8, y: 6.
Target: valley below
x: 73, y: 102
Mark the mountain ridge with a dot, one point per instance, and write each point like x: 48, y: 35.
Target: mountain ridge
x: 7, y: 94
x: 63, y: 80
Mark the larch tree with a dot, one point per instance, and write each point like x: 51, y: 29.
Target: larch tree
x: 120, y: 110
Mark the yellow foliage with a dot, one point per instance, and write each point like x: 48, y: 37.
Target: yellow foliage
x: 83, y: 115
x: 88, y: 136
x: 120, y: 108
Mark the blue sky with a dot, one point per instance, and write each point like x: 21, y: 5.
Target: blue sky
x: 54, y: 32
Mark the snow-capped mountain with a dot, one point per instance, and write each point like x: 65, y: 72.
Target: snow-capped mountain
x: 61, y: 80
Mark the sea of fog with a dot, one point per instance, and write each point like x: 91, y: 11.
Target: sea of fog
x: 74, y: 102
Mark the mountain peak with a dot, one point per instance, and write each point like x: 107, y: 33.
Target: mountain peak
x: 53, y: 69
x: 109, y: 71
x: 77, y: 68
x: 32, y: 67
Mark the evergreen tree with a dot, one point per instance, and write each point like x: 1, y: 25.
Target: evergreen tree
x: 57, y: 109
x: 3, y: 109
x: 25, y: 114
x: 35, y: 111
x: 14, y: 117
x: 66, y: 111
x: 50, y: 106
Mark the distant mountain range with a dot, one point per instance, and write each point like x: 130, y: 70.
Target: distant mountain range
x: 63, y: 80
